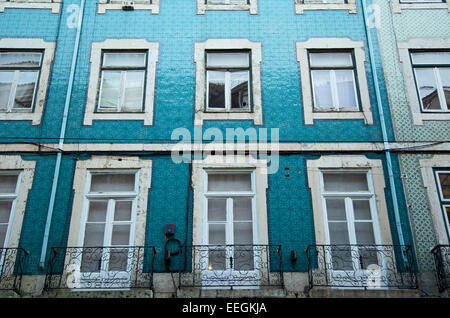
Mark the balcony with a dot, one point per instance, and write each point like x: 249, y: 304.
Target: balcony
x: 361, y: 266
x: 90, y: 268
x: 12, y: 264
x: 233, y: 266
x: 441, y: 254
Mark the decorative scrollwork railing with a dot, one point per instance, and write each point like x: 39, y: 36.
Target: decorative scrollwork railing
x: 441, y: 254
x: 219, y: 266
x: 12, y: 266
x: 364, y: 266
x: 101, y: 267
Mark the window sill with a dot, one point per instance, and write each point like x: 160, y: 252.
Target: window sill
x: 103, y: 6
x: 397, y: 7
x: 202, y: 7
x: 55, y: 6
x: 351, y: 6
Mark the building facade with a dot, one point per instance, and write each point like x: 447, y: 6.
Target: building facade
x: 213, y: 148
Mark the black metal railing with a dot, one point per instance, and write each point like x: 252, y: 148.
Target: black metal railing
x: 12, y: 265
x: 363, y: 266
x: 441, y: 254
x: 101, y: 267
x: 228, y: 266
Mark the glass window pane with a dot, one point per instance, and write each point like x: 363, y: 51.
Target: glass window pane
x: 120, y: 234
x: 25, y: 90
x: 338, y: 233
x: 242, y: 209
x: 8, y: 183
x: 364, y: 233
x: 243, y: 233
x: 345, y: 82
x: 216, y: 89
x: 445, y: 79
x: 228, y: 60
x: 97, y: 211
x: 243, y: 258
x: 3, y: 229
x: 341, y: 257
x: 230, y: 182
x: 123, y: 211
x: 124, y: 59
x: 345, y: 182
x: 5, y: 211
x: 112, y: 182
x: 239, y: 89
x: 361, y: 209
x: 427, y: 87
x: 432, y: 58
x: 118, y: 259
x: 217, y: 234
x: 134, y: 90
x: 11, y: 59
x: 91, y: 260
x: 336, y: 209
x: 6, y: 79
x: 444, y: 181
x: 109, y: 95
x: 322, y: 89
x: 94, y: 235
x: 216, y: 259
x: 331, y: 59
x: 217, y: 209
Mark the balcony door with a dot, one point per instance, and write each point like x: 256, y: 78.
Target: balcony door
x: 230, y: 230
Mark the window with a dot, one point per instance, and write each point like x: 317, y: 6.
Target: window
x: 426, y: 75
x: 432, y: 75
x: 19, y: 74
x: 399, y: 5
x: 443, y: 181
x: 54, y: 5
x: 228, y: 80
x: 249, y: 5
x: 122, y: 81
x: 228, y: 77
x: 8, y: 196
x: 333, y: 79
x: 152, y: 5
x: 301, y: 5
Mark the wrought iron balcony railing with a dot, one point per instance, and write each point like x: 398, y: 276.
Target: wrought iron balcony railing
x: 229, y: 266
x: 441, y: 254
x: 361, y: 266
x: 12, y: 265
x: 101, y: 267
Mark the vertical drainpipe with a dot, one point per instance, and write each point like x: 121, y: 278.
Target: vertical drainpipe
x: 383, y: 128
x: 62, y: 136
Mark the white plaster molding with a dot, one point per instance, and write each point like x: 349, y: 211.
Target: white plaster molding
x: 152, y: 5
x: 323, y: 5
x: 397, y: 6
x: 54, y: 6
x: 226, y: 5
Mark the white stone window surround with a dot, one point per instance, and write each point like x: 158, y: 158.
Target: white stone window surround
x: 94, y: 80
x: 427, y: 167
x: 398, y: 6
x: 200, y: 92
x: 404, y: 49
x: 152, y: 5
x: 300, y: 7
x: 231, y: 164
x: 109, y: 164
x: 341, y: 164
x: 357, y: 47
x: 202, y: 6
x: 48, y: 48
x: 25, y: 170
x: 53, y: 5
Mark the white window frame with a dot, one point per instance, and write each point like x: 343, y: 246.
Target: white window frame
x: 152, y: 5
x: 357, y: 47
x: 81, y: 186
x: 230, y: 164
x: 251, y: 6
x: 427, y: 168
x: 300, y: 7
x: 53, y: 5
x: 405, y: 48
x: 255, y: 113
x: 445, y: 203
x: 48, y: 48
x: 146, y: 115
x: 398, y: 5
